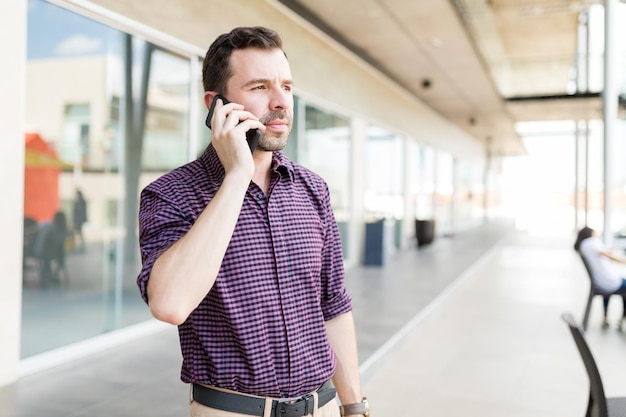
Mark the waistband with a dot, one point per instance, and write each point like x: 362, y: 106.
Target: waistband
x: 255, y: 406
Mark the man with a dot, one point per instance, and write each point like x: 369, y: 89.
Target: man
x: 242, y: 252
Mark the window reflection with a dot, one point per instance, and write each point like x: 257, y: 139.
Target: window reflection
x: 385, y: 175
x: 106, y: 113
x: 425, y: 209
x: 166, y: 130
x: 326, y: 151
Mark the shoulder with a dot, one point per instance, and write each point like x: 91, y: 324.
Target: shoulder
x: 301, y: 176
x: 592, y: 245
x: 314, y: 186
x: 309, y: 178
x: 179, y: 181
x: 185, y: 190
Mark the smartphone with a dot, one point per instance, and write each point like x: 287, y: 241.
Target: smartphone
x: 252, y: 135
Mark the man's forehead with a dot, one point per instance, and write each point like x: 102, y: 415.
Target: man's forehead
x: 260, y: 63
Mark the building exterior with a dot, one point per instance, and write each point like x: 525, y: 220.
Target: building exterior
x: 113, y: 86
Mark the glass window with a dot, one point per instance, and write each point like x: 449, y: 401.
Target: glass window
x: 385, y: 175
x: 115, y: 116
x: 444, y: 188
x: 74, y: 144
x: 204, y: 133
x: 618, y: 204
x: 476, y: 194
x: 326, y: 151
x: 414, y: 177
x: 425, y: 199
x: 166, y: 135
x: 468, y: 195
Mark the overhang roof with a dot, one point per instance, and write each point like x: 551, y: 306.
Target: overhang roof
x: 470, y: 60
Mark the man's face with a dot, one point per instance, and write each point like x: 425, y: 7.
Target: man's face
x: 261, y: 81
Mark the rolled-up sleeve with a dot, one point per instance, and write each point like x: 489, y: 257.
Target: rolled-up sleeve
x: 336, y: 300
x: 161, y: 224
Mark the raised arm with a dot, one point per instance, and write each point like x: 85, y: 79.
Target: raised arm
x: 612, y: 257
x: 183, y: 275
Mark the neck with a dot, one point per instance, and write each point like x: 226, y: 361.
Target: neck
x: 262, y: 173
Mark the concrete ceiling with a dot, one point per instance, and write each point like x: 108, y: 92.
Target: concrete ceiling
x: 470, y: 60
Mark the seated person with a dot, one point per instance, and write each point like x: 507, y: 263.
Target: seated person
x: 50, y: 248
x: 30, y: 236
x: 607, y: 277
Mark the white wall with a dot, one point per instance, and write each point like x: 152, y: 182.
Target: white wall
x: 12, y: 82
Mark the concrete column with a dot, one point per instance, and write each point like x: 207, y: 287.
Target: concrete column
x: 12, y: 85
x: 408, y: 221
x: 195, y: 98
x: 576, y: 175
x: 358, y: 128
x: 582, y: 84
x: 586, y: 172
x: 610, y: 98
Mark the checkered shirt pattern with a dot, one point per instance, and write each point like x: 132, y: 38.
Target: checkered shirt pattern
x: 260, y: 330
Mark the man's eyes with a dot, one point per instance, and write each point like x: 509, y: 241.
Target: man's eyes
x: 264, y: 87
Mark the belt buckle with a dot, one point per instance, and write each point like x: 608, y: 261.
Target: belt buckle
x: 279, y: 410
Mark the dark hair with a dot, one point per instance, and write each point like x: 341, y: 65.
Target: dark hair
x: 216, y: 66
x: 584, y: 233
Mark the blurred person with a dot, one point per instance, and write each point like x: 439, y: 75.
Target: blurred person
x: 241, y: 251
x: 79, y: 218
x: 50, y: 249
x: 30, y: 238
x: 607, y: 277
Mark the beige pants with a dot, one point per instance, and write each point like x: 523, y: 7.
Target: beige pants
x: 331, y: 409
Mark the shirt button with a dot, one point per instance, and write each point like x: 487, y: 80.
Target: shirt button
x: 261, y: 196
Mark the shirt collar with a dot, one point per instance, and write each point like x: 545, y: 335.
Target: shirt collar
x: 281, y: 165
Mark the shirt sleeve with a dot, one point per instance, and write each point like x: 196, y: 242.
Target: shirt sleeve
x: 335, y: 299
x: 161, y: 224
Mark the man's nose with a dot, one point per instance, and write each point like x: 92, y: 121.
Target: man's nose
x: 280, y: 99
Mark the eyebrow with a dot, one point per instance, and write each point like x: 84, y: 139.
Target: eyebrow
x: 266, y: 81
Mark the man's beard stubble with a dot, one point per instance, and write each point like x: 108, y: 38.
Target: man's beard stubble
x: 269, y: 142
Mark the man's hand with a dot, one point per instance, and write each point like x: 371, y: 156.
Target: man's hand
x: 230, y: 122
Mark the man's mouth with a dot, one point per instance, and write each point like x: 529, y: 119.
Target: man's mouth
x: 277, y: 124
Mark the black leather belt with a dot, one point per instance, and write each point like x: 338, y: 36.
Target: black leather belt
x: 243, y: 404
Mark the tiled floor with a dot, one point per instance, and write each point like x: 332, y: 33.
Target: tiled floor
x: 496, y: 345
x: 468, y: 326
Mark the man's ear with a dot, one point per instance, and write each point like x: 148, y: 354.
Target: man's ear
x: 208, y: 98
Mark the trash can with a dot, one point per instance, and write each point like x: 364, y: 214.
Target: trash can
x: 378, y: 238
x: 424, y: 231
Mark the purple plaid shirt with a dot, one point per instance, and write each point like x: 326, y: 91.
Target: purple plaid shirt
x: 260, y: 330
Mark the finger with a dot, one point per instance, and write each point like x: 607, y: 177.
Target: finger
x: 244, y: 115
x: 221, y: 113
x: 251, y: 124
x: 237, y: 117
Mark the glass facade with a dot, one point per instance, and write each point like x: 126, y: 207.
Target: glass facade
x: 384, y: 180
x: 106, y: 113
x: 325, y: 149
x: 425, y: 199
x: 115, y: 115
x: 444, y: 191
